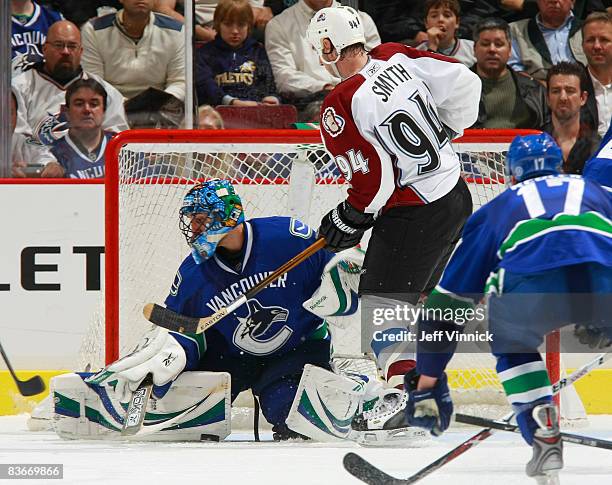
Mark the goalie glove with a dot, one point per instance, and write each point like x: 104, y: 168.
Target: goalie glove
x: 343, y: 227
x: 337, y: 295
x: 159, y: 354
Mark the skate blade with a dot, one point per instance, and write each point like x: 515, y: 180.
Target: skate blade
x: 549, y: 478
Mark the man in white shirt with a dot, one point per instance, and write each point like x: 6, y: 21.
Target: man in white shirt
x: 597, y: 46
x: 299, y: 76
x: 40, y: 90
x: 135, y: 49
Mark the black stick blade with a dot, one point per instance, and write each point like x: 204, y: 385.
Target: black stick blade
x: 368, y: 473
x: 163, y: 317
x: 32, y: 386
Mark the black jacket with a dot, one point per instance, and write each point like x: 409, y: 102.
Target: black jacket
x: 530, y: 91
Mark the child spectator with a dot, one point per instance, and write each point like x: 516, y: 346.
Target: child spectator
x: 234, y: 68
x: 442, y: 22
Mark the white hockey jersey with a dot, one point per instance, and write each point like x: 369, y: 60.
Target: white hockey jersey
x: 39, y: 103
x: 387, y: 126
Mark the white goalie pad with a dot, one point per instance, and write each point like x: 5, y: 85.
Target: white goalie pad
x: 325, y: 404
x: 89, y: 411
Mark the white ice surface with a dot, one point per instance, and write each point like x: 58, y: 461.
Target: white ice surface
x: 499, y: 460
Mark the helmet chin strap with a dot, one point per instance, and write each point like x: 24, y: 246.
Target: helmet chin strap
x: 334, y: 68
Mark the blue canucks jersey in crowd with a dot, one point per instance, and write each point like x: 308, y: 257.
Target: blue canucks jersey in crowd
x: 80, y: 165
x: 273, y: 322
x: 539, y: 224
x: 599, y: 167
x: 34, y: 31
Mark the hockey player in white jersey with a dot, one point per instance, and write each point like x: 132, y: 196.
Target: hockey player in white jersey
x: 542, y: 250
x: 389, y: 126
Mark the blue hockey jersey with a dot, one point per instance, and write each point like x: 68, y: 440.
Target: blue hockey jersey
x: 32, y: 32
x: 599, y: 167
x: 536, y: 225
x: 273, y: 322
x: 79, y: 165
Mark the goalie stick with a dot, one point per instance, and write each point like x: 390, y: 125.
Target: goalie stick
x: 164, y: 317
x: 30, y: 387
x: 368, y: 473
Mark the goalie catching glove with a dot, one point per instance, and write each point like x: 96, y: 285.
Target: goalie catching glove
x: 158, y: 354
x: 343, y: 227
x: 337, y: 295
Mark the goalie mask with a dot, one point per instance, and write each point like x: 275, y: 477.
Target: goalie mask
x: 334, y: 28
x: 210, y: 210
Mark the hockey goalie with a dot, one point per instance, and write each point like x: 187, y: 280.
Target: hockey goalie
x: 278, y: 344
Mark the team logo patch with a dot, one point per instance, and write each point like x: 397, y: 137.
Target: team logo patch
x: 321, y: 17
x: 299, y: 229
x: 332, y: 122
x: 373, y: 69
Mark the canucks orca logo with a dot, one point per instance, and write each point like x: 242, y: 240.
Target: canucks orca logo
x: 258, y: 333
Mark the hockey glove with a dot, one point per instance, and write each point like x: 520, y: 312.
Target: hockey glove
x: 159, y: 354
x: 431, y: 409
x: 343, y: 227
x: 594, y: 337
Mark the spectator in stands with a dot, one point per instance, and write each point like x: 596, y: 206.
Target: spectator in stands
x: 29, y: 25
x: 566, y: 94
x: 209, y: 118
x: 204, y: 12
x: 597, y: 47
x: 234, y: 68
x: 135, y: 49
x: 40, y: 90
x: 549, y: 38
x: 79, y: 154
x: 508, y: 99
x: 300, y: 77
x: 79, y: 11
x: 441, y: 22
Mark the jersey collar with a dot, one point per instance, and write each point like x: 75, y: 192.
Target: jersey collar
x: 248, y: 241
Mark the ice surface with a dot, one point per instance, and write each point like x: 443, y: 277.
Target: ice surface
x: 499, y: 460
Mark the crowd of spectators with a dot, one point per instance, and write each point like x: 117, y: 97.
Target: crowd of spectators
x: 544, y: 64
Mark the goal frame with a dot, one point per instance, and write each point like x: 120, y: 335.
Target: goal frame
x: 230, y: 137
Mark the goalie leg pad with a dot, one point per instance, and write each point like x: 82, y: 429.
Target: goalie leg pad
x: 89, y: 411
x: 325, y: 404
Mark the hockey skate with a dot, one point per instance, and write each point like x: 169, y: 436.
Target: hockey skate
x: 382, y: 422
x: 547, y: 446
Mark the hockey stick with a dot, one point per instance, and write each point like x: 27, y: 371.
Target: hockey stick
x: 360, y: 467
x: 137, y: 407
x: 34, y: 385
x: 504, y: 426
x: 163, y: 317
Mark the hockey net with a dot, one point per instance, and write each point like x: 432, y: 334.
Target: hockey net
x: 275, y: 173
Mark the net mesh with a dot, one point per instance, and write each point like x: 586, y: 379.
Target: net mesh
x: 290, y: 179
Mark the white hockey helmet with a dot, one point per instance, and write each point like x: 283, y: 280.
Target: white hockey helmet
x: 341, y: 25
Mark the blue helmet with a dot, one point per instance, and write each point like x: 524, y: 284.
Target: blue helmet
x: 218, y: 200
x: 534, y: 155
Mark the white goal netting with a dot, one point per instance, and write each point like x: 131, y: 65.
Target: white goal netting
x: 284, y: 173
